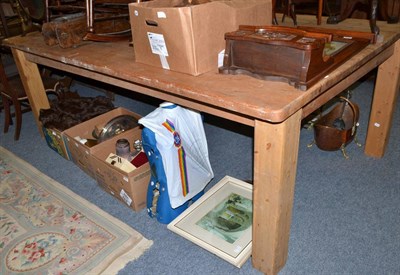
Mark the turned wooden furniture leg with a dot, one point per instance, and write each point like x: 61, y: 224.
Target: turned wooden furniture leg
x: 275, y: 163
x: 373, y: 14
x: 18, y: 120
x: 289, y: 10
x: 89, y: 15
x: 384, y: 102
x: 32, y: 81
x: 319, y: 15
x: 285, y: 9
x: 293, y: 13
x: 274, y: 20
x: 7, y: 113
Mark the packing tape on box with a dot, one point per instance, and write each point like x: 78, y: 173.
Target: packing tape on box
x: 164, y: 62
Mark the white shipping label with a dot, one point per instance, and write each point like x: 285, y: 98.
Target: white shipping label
x: 157, y: 43
x: 161, y: 14
x: 125, y: 197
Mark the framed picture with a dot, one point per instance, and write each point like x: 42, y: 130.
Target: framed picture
x: 220, y: 221
x: 334, y: 47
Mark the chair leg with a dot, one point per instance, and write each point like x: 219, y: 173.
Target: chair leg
x: 18, y: 118
x: 274, y: 20
x: 319, y: 14
x: 7, y: 113
x: 293, y: 13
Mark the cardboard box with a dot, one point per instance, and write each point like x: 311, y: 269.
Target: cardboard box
x: 54, y: 139
x: 188, y: 39
x: 81, y: 154
x: 128, y: 187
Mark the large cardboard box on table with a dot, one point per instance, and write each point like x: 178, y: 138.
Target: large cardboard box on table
x: 128, y: 187
x: 80, y: 153
x: 188, y: 38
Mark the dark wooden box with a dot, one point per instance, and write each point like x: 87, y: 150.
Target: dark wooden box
x: 299, y: 56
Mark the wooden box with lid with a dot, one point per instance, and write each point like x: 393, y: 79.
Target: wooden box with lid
x: 300, y: 56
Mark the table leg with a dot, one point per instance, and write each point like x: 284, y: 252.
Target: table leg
x: 383, y: 105
x: 275, y: 163
x: 33, y: 85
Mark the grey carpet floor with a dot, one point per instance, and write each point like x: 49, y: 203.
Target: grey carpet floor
x: 346, y: 213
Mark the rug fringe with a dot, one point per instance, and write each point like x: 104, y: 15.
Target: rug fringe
x: 128, y: 257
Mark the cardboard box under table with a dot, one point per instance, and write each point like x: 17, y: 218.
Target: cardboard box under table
x: 81, y: 154
x: 188, y: 38
x: 129, y: 187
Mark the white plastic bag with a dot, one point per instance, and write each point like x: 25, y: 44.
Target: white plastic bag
x: 181, y: 141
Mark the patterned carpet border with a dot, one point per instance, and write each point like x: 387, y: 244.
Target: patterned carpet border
x: 45, y: 228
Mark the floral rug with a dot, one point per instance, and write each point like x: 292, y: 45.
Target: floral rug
x: 47, y: 229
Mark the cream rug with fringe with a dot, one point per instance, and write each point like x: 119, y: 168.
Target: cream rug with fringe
x: 45, y: 228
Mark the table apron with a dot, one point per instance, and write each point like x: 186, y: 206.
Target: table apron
x: 347, y: 81
x: 136, y: 87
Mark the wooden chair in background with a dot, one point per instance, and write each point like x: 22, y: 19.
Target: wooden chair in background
x: 390, y: 11
x: 15, y: 22
x: 349, y: 8
x: 10, y: 21
x: 387, y: 10
x: 13, y: 94
x: 290, y: 8
x: 339, y: 10
x: 105, y: 20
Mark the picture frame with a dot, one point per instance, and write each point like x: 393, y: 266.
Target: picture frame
x: 220, y: 221
x: 334, y: 47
